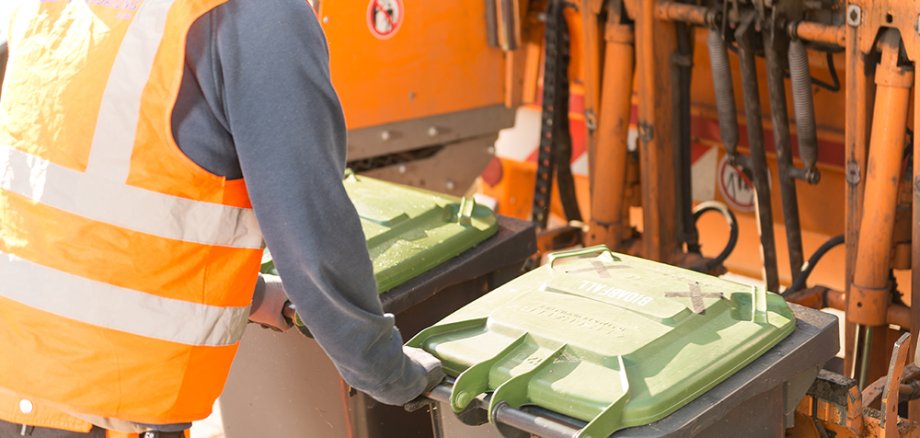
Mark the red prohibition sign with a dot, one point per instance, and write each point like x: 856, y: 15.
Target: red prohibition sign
x: 384, y: 17
x: 736, y: 187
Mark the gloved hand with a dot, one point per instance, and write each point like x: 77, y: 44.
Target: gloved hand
x: 434, y: 371
x: 268, y: 303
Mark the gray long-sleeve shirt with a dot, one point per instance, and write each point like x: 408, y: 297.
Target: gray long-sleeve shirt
x: 256, y: 102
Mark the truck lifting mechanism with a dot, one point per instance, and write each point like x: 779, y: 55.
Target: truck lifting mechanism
x: 767, y: 44
x: 811, y: 104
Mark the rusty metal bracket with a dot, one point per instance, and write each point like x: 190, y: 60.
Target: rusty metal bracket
x: 836, y: 402
x: 889, y: 421
x: 687, y: 13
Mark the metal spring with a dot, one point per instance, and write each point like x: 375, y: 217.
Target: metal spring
x: 725, y: 93
x: 804, y: 104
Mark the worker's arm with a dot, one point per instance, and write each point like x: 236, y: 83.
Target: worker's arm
x: 289, y: 132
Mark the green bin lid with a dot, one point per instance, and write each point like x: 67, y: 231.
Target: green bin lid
x: 410, y: 231
x: 610, y: 339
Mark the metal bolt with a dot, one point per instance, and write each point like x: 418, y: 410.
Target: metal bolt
x: 433, y: 131
x: 646, y: 132
x: 854, y: 15
x: 386, y: 135
x: 813, y: 176
x: 402, y: 168
x: 853, y: 176
x: 590, y: 120
x: 450, y: 185
x: 25, y: 406
x: 491, y: 150
x: 411, y: 95
x: 326, y: 20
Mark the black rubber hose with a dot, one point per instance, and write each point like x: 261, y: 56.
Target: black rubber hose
x: 812, y: 262
x: 708, y: 206
x: 834, y: 86
x: 725, y: 92
x: 803, y: 102
x: 681, y: 75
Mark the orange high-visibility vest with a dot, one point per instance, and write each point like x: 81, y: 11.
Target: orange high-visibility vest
x: 126, y: 270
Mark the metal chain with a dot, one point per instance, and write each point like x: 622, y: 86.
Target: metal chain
x: 555, y: 141
x: 563, y: 137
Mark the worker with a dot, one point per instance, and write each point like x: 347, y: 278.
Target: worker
x: 147, y: 148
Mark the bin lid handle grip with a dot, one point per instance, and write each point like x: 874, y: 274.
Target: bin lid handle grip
x: 599, y: 249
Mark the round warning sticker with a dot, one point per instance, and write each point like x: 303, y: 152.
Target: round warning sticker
x: 384, y: 17
x: 736, y: 187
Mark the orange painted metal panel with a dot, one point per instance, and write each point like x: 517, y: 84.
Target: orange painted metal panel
x: 436, y: 61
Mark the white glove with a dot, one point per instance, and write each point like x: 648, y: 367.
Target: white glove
x: 268, y: 303
x: 434, y: 372
x: 431, y: 364
x: 435, y: 375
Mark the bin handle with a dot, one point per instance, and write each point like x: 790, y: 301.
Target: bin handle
x: 599, y: 249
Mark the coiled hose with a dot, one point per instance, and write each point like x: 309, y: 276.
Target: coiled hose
x: 812, y: 262
x: 803, y: 102
x: 725, y: 92
x: 708, y: 206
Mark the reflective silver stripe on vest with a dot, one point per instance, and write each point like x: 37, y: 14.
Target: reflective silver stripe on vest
x: 130, y: 311
x: 119, y: 111
x: 125, y: 206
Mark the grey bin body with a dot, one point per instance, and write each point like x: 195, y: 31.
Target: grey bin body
x: 758, y: 401
x: 283, y: 385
